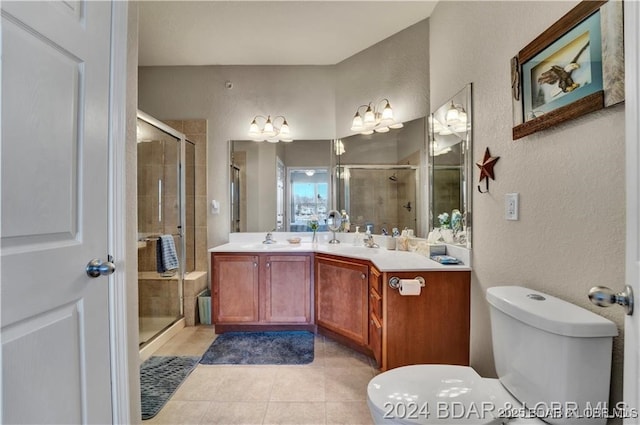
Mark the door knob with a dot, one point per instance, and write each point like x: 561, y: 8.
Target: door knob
x: 604, y: 297
x: 96, y: 268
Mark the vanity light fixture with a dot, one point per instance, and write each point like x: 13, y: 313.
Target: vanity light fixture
x: 456, y: 118
x: 438, y: 149
x: 270, y: 131
x: 377, y: 117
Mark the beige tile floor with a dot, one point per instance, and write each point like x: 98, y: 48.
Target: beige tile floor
x: 330, y: 390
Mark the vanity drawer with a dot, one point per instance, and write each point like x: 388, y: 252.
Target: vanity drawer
x: 375, y: 303
x: 375, y: 279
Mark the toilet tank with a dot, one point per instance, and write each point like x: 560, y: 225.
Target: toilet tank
x: 553, y: 356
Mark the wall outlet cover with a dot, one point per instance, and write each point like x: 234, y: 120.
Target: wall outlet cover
x: 511, y: 201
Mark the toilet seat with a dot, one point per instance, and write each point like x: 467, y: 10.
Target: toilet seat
x: 439, y: 394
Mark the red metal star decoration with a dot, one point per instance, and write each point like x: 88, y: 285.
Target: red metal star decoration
x: 486, y: 168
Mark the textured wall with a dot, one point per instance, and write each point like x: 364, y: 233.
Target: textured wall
x: 315, y: 99
x: 304, y: 94
x: 570, y: 235
x: 396, y: 68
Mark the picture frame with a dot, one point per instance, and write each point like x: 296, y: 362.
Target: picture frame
x: 573, y: 68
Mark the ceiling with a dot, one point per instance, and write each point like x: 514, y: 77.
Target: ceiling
x: 268, y: 32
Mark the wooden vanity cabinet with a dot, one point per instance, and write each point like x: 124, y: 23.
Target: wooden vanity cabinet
x: 260, y: 291
x: 235, y: 288
x: 430, y: 328
x: 287, y: 289
x: 341, y: 297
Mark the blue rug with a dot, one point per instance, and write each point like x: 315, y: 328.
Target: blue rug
x: 160, y: 377
x: 261, y: 348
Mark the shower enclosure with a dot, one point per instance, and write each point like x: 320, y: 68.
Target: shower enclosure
x: 165, y: 207
x: 379, y: 196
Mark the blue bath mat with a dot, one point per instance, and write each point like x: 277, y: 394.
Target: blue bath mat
x: 261, y: 348
x: 160, y: 377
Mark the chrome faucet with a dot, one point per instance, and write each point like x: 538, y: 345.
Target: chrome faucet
x: 369, y: 242
x: 269, y: 239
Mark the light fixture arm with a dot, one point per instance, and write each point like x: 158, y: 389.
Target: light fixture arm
x: 270, y: 131
x: 378, y: 117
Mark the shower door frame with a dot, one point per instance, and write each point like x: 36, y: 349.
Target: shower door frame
x: 344, y: 170
x: 181, y: 196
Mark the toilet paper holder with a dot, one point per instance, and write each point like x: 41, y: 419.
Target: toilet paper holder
x: 394, y: 282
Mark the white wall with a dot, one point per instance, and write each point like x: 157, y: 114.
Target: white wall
x: 396, y: 68
x: 570, y: 235
x: 315, y: 99
x: 304, y: 94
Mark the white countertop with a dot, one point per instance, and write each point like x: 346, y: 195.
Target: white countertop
x: 383, y: 259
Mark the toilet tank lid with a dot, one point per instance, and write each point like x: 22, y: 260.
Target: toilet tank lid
x: 549, y: 313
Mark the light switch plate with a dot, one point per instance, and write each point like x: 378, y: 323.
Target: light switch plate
x: 511, y: 206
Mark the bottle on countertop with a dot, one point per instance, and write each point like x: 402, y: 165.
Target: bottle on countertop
x: 357, y: 237
x: 346, y: 224
x: 402, y: 242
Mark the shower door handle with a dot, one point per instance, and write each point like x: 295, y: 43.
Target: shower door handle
x: 97, y: 268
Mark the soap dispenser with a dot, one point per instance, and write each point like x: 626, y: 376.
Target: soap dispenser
x: 357, y: 237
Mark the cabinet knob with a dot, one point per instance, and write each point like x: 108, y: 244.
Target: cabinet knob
x: 268, y: 265
x: 362, y: 276
x: 255, y: 264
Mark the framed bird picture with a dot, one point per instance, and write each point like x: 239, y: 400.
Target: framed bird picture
x: 575, y: 67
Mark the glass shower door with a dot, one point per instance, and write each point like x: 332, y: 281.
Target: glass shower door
x: 159, y: 215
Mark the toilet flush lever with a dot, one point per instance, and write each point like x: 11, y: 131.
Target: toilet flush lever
x: 604, y: 297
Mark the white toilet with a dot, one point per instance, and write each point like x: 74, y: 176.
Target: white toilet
x: 553, y: 361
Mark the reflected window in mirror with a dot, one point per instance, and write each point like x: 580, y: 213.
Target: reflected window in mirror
x: 308, y: 198
x: 260, y: 189
x: 450, y: 163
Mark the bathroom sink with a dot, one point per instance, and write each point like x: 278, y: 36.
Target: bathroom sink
x: 271, y: 247
x: 357, y: 250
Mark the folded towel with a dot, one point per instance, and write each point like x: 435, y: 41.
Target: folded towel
x: 169, y: 255
x: 159, y: 263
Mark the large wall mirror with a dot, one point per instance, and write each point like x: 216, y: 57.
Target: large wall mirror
x: 379, y: 179
x: 450, y: 160
x: 279, y: 186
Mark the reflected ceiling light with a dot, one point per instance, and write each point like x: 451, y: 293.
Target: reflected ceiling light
x: 437, y: 149
x: 452, y: 114
x: 377, y: 117
x: 456, y: 117
x: 310, y: 172
x: 339, y: 147
x: 270, y: 131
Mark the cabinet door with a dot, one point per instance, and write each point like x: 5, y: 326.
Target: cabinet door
x: 235, y: 288
x: 375, y: 338
x: 341, y: 298
x: 436, y: 322
x: 287, y: 289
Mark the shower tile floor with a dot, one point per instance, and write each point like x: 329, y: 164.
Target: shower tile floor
x: 330, y: 390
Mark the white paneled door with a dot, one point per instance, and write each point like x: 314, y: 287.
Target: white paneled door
x: 54, y: 159
x: 632, y: 124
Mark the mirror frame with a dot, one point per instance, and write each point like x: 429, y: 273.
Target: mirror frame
x: 462, y: 98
